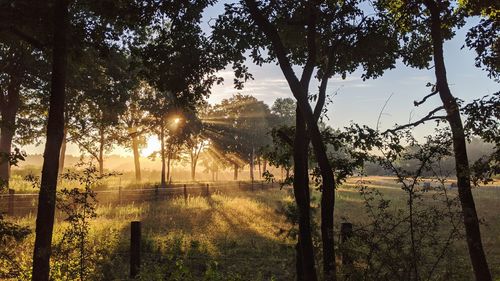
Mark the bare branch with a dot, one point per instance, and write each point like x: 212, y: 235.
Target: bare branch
x: 382, y: 110
x: 321, y: 97
x: 417, y: 103
x: 428, y: 117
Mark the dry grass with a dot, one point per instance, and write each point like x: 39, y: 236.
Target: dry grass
x: 237, y: 232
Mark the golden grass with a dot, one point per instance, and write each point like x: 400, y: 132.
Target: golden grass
x: 239, y: 230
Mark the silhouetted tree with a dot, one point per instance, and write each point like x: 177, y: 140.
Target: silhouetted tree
x: 330, y: 37
x: 135, y: 123
x: 424, y: 26
x: 102, y: 99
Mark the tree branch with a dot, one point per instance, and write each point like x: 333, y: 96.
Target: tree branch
x: 280, y: 50
x: 417, y: 103
x: 311, y: 45
x: 321, y: 97
x: 428, y: 117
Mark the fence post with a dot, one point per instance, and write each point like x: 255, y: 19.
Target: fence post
x: 345, y: 234
x: 11, y: 202
x: 135, y: 248
x: 239, y: 184
x: 185, y: 195
x: 208, y: 191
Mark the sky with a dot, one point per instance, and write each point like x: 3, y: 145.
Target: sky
x: 361, y: 101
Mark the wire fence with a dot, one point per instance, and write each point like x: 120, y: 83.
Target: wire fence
x: 23, y: 204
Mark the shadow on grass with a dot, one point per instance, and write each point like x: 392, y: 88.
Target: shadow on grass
x: 209, y: 238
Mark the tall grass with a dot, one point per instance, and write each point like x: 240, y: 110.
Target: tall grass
x: 232, y: 236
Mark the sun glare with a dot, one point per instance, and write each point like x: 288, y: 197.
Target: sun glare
x: 177, y: 120
x: 153, y: 144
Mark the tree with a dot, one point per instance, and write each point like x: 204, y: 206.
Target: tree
x: 195, y: 141
x: 280, y: 152
x: 22, y: 86
x: 134, y: 121
x: 241, y: 126
x: 55, y: 22
x: 424, y: 26
x: 283, y: 112
x: 179, y: 62
x: 483, y: 120
x: 160, y: 108
x: 332, y: 38
x: 10, y: 100
x: 55, y: 127
x: 484, y: 37
x: 103, y: 89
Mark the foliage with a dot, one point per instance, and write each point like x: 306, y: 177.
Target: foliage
x: 73, y: 258
x: 413, y: 29
x: 483, y: 120
x: 416, y: 241
x: 10, y: 236
x: 484, y: 37
x: 13, y: 159
x: 237, y: 127
x: 393, y: 245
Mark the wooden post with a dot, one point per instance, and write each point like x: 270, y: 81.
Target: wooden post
x: 135, y: 248
x: 157, y: 190
x: 10, y: 211
x: 345, y: 234
x: 208, y: 191
x: 185, y: 195
x: 239, y: 184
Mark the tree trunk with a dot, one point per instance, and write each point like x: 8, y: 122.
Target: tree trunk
x: 137, y: 163
x: 9, y: 110
x: 193, y: 171
x: 264, y: 166
x: 305, y: 254
x: 55, y: 130
x: 298, y: 261
x: 258, y: 164
x: 194, y: 160
x: 326, y: 170
x: 162, y: 155
x: 299, y: 90
x: 235, y: 172
x: 101, y: 151
x: 252, y: 164
x: 5, y: 148
x: 471, y: 221
x: 169, y: 156
x: 62, y: 155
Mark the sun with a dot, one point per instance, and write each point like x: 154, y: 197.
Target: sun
x: 153, y: 144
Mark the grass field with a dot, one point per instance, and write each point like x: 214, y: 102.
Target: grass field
x: 226, y: 237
